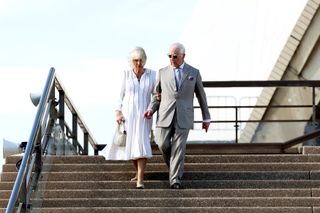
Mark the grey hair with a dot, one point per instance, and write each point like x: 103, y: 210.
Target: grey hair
x: 178, y: 46
x: 138, y: 53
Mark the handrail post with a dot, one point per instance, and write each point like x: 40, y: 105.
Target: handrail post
x: 38, y: 149
x: 85, y: 143
x: 23, y: 194
x: 61, y: 110
x: 236, y: 124
x: 314, y: 111
x: 75, y: 130
x: 61, y: 114
x: 38, y: 161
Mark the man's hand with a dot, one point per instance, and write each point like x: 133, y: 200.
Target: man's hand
x: 205, y: 125
x: 148, y: 114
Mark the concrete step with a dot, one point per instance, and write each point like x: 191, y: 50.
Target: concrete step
x: 188, y: 175
x: 3, y: 202
x: 166, y: 193
x: 188, y: 184
x: 5, y: 194
x: 196, y: 175
x: 163, y: 175
x: 133, y: 193
x: 6, y: 185
x: 61, y: 159
x: 180, y: 202
x: 179, y: 210
x: 300, y: 166
x: 248, y: 158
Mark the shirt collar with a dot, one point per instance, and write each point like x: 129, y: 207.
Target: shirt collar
x: 180, y: 67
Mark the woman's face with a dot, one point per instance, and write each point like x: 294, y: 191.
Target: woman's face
x: 137, y: 64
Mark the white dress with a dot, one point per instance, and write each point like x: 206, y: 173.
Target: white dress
x: 135, y: 97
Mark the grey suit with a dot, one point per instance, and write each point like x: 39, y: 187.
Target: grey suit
x: 176, y: 115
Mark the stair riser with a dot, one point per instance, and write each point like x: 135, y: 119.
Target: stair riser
x: 3, y: 202
x: 181, y: 210
x: 5, y: 194
x: 219, y: 184
x: 112, y: 176
x: 62, y: 159
x: 6, y: 185
x: 239, y: 159
x: 188, y: 167
x: 189, y: 159
x: 165, y: 185
x: 174, y: 193
x: 179, y: 202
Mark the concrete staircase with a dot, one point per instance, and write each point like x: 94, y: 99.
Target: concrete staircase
x: 277, y: 183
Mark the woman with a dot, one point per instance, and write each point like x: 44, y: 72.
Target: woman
x: 137, y: 87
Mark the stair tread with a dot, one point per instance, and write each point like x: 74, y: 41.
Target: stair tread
x: 177, y: 209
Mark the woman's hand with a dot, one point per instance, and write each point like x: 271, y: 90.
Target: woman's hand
x: 158, y: 96
x: 119, y: 117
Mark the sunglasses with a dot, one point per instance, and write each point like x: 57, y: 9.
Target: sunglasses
x: 173, y: 56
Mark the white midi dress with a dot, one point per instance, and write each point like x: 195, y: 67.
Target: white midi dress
x: 135, y: 97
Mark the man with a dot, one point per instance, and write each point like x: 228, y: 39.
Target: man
x: 174, y: 91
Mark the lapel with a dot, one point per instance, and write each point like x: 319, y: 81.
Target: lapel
x: 171, y: 77
x: 185, y: 72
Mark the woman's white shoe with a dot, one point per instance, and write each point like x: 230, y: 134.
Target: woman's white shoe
x: 140, y: 186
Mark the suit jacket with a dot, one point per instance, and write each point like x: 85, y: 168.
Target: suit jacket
x: 179, y: 101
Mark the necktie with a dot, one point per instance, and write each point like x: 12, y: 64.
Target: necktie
x: 178, y: 77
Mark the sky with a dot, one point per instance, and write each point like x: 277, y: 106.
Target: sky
x: 88, y: 43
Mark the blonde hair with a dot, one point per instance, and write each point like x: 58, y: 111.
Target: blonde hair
x: 138, y: 53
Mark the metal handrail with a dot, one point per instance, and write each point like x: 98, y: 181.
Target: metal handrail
x: 24, y: 167
x: 46, y: 117
x: 274, y: 83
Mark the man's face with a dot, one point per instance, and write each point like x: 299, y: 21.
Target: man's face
x: 176, y: 58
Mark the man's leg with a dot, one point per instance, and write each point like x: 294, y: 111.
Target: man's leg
x: 178, y: 150
x: 163, y: 140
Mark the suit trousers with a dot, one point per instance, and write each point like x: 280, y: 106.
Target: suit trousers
x: 172, y: 144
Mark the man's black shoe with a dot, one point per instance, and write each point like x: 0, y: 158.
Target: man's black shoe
x: 176, y: 186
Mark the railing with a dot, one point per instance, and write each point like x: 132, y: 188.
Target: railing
x: 46, y: 117
x: 236, y: 121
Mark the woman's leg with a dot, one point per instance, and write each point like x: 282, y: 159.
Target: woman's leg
x: 135, y: 165
x: 141, y: 162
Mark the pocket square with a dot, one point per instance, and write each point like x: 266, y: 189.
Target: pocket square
x: 190, y: 78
